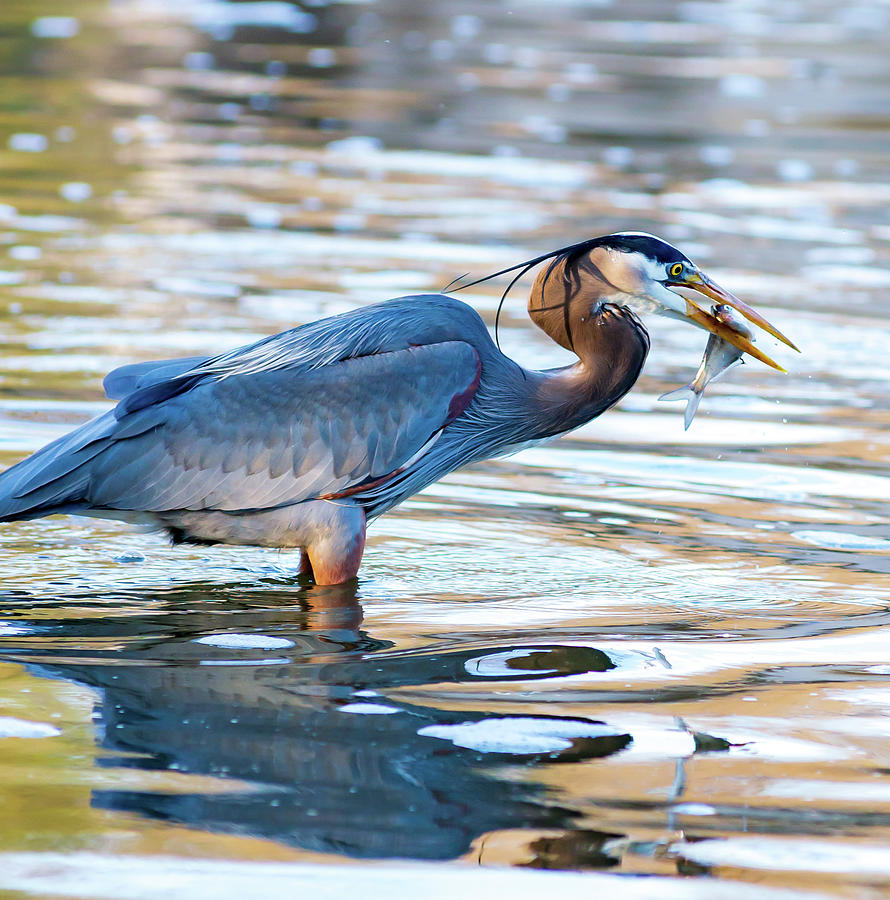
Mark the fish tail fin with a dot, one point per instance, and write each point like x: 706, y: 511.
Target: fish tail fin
x: 692, y: 398
x: 691, y: 409
x: 682, y: 393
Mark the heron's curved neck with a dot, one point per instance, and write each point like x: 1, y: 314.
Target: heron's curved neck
x: 611, y: 345
x: 568, y: 397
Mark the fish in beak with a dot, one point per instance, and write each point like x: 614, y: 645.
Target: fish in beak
x: 720, y: 356
x: 696, y: 280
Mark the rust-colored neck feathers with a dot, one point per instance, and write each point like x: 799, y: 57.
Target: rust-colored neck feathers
x: 564, y: 295
x: 579, y: 307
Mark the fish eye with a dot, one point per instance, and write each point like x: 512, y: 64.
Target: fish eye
x: 675, y: 270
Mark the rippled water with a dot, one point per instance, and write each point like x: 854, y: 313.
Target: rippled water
x: 637, y: 651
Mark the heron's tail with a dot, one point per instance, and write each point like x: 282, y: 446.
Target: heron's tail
x: 692, y: 398
x: 56, y: 477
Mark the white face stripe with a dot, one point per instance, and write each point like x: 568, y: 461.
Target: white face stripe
x: 650, y: 294
x: 654, y: 270
x: 648, y: 269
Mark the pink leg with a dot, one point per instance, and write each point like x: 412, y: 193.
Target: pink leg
x: 336, y: 553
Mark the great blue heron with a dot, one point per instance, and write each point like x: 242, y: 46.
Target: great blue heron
x: 301, y: 438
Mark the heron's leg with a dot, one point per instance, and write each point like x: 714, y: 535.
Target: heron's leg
x: 336, y: 548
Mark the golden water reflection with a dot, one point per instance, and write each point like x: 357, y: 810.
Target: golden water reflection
x: 638, y: 650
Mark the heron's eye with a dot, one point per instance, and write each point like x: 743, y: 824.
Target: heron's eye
x: 676, y: 270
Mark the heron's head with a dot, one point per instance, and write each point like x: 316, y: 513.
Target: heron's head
x: 638, y: 271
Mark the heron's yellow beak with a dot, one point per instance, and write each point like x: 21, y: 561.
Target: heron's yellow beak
x: 698, y: 281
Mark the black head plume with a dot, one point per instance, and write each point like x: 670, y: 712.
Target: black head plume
x: 625, y: 241
x: 573, y: 250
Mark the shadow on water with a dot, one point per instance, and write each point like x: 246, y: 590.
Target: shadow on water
x: 639, y: 648
x: 296, y: 712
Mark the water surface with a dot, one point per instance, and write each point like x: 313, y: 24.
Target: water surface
x: 637, y: 651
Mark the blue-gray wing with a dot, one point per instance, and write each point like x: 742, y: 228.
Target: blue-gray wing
x: 274, y: 438
x: 135, y: 376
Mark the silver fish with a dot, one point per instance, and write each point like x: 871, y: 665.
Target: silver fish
x: 720, y: 356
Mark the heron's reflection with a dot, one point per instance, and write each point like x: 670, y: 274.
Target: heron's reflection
x: 298, y: 707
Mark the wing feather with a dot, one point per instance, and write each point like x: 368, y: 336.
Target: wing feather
x: 126, y: 379
x: 321, y: 408
x: 272, y: 438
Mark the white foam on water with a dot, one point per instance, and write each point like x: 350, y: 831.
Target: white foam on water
x: 234, y: 641
x: 369, y: 709
x: 518, y: 734
x: 22, y: 728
